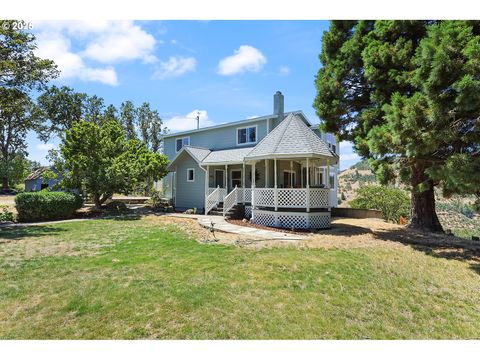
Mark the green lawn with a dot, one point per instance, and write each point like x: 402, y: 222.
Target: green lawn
x: 134, y: 279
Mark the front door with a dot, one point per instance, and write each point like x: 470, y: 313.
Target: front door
x: 219, y: 178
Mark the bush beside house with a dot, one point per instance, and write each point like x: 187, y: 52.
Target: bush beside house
x: 46, y: 205
x: 392, y: 202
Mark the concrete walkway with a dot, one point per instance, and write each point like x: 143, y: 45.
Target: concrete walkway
x: 219, y: 224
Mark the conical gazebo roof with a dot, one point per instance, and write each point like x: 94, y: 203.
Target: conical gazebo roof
x: 292, y: 138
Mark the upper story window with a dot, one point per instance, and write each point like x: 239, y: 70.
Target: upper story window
x: 247, y: 135
x: 181, y: 142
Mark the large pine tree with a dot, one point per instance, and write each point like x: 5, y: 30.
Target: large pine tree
x: 407, y: 93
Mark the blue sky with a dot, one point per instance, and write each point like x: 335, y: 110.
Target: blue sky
x: 226, y: 70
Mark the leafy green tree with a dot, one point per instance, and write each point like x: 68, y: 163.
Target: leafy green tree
x: 20, y: 72
x: 101, y: 160
x: 145, y: 117
x: 406, y: 93
x: 94, y: 109
x: 110, y: 114
x: 61, y: 107
x: 18, y: 169
x: 392, y: 202
x: 128, y: 119
x: 16, y: 119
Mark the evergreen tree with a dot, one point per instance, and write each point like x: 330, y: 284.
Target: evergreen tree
x: 110, y: 114
x: 94, y: 109
x: 128, y: 119
x: 407, y: 94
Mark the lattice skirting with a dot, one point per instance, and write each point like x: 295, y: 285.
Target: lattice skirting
x: 248, y: 212
x: 288, y: 220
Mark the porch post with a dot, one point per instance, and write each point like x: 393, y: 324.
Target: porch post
x: 267, y: 182
x: 226, y: 179
x: 328, y: 182
x: 275, y: 194
x: 301, y: 175
x: 243, y: 181
x: 291, y: 174
x: 252, y: 185
x: 308, y: 186
x: 207, y: 173
x: 328, y: 173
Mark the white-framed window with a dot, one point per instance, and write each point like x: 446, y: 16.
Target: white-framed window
x: 247, y: 135
x: 236, y: 178
x: 318, y: 176
x: 191, y: 175
x: 181, y: 142
x: 332, y: 182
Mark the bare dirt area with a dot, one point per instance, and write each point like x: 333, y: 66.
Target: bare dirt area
x: 8, y: 200
x: 361, y: 233
x: 196, y: 231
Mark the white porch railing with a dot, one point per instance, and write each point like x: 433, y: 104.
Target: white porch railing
x: 213, y: 199
x: 292, y: 198
x: 248, y: 195
x: 223, y: 191
x: 230, y: 201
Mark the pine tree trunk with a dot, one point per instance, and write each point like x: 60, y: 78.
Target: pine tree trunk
x: 423, y: 215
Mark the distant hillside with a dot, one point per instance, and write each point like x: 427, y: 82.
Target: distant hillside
x: 356, y: 176
x: 455, y: 213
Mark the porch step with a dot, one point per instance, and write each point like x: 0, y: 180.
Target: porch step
x: 233, y: 213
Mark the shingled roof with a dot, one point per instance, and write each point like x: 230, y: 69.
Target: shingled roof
x: 232, y: 156
x: 38, y: 173
x: 197, y: 153
x: 291, y: 138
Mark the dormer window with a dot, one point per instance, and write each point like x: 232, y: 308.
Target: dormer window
x: 247, y: 135
x: 181, y: 142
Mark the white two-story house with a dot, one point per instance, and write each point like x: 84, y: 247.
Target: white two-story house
x: 279, y: 169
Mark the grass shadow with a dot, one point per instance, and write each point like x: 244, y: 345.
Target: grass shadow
x: 436, y: 245
x: 344, y: 230
x: 18, y: 233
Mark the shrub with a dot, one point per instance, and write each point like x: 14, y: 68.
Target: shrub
x: 5, y: 214
x: 392, y: 202
x: 47, y: 205
x: 457, y: 206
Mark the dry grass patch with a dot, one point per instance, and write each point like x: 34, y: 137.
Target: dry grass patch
x: 152, y: 278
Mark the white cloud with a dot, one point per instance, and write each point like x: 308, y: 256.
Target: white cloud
x: 284, y: 70
x: 246, y: 58
x: 347, y: 155
x: 175, y: 66
x: 351, y: 156
x: 188, y: 122
x: 105, y: 42
x: 121, y: 41
x: 45, y: 147
x: 71, y: 65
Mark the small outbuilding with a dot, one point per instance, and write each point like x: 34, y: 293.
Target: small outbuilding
x: 36, y: 181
